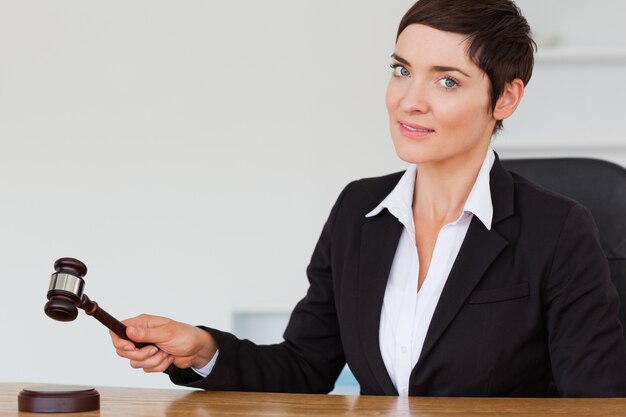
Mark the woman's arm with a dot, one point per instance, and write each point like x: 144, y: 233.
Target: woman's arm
x: 309, y: 360
x: 587, y: 347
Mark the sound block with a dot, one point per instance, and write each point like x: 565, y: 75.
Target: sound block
x: 58, y: 399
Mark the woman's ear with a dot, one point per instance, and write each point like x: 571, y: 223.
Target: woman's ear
x: 509, y: 99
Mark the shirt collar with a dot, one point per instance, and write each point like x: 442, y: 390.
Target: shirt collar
x: 479, y: 199
x: 399, y: 201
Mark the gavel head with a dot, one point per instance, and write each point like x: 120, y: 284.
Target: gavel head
x: 66, y: 289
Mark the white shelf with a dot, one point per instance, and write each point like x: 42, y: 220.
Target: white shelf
x: 571, y: 144
x: 580, y: 54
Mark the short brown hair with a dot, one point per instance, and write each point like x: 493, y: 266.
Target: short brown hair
x: 498, y: 36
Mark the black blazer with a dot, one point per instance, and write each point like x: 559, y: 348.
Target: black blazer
x: 528, y: 308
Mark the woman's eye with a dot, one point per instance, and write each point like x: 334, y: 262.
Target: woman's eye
x: 400, y: 71
x: 448, y: 83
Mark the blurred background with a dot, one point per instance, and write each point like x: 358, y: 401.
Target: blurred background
x: 189, y: 152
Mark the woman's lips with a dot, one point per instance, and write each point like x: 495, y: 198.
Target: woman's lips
x: 414, y: 131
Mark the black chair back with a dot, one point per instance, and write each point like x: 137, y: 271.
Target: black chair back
x: 601, y: 187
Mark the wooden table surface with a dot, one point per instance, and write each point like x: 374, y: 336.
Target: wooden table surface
x: 135, y: 402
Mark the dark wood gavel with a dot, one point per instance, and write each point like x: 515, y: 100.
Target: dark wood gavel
x: 66, y: 296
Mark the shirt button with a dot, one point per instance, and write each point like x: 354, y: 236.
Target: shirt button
x: 403, y: 349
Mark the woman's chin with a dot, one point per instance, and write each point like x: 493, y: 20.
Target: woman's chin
x: 412, y: 155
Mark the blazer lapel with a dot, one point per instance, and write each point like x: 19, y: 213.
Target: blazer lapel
x: 379, y: 239
x: 480, y: 248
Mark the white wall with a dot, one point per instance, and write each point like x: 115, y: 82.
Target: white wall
x: 574, y: 103
x: 189, y: 152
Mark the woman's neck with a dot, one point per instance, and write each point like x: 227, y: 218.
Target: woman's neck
x: 442, y: 188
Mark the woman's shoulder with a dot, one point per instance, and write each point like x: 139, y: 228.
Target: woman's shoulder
x: 537, y: 195
x: 376, y: 185
x: 546, y: 209
x: 363, y: 195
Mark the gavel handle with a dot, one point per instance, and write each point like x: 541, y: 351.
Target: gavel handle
x: 117, y: 327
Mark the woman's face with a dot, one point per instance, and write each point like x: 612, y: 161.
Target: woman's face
x: 437, y: 99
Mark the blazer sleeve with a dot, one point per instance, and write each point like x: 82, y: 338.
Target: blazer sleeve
x: 309, y: 359
x: 586, y: 343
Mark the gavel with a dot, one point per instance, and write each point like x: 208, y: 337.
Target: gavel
x: 66, y: 296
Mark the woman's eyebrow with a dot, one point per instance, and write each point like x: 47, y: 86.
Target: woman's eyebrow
x: 400, y: 60
x: 444, y: 68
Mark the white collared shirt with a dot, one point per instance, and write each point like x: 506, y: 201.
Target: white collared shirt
x: 406, y: 312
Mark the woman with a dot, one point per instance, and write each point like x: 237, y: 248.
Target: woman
x: 454, y: 278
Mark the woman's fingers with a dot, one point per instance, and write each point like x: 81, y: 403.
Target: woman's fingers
x: 121, y: 344
x: 144, y: 328
x: 161, y: 366
x: 138, y: 355
x: 170, y: 342
x: 159, y: 361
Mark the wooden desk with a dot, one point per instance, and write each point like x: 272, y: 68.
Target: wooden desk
x: 136, y: 402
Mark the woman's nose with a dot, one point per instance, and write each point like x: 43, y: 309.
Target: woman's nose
x: 415, y: 99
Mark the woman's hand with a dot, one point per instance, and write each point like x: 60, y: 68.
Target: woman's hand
x: 178, y: 343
